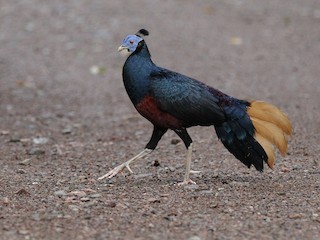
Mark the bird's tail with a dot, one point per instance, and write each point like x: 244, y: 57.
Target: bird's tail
x: 252, y: 134
x: 272, y: 128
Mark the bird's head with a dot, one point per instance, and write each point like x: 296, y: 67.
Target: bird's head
x: 132, y: 42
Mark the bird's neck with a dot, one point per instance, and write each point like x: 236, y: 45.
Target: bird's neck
x: 136, y: 71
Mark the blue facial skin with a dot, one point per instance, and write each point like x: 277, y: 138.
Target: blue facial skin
x: 131, y: 42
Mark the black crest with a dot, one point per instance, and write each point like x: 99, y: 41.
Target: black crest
x: 142, y: 32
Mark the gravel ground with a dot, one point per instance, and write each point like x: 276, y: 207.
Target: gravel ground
x: 65, y: 120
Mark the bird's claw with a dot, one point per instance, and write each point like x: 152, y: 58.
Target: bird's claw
x: 116, y: 170
x: 186, y: 182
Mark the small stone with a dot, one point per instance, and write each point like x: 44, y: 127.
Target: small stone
x: 74, y: 208
x: 267, y: 219
x: 23, y: 232
x: 206, y: 192
x: 237, y: 41
x: 82, y: 178
x: 5, y: 200
x: 97, y: 195
x: 164, y: 194
x: 295, y: 216
x: 153, y: 200
x: 85, y: 199
x: 171, y: 168
x: 59, y: 229
x: 71, y: 199
x: 194, y: 238
x: 36, y: 151
x: 94, y: 70
x: 21, y: 171
x: 214, y: 205
x: 285, y: 169
x: 143, y: 175
x: 111, y: 204
x: 22, y: 192
x: 191, y: 186
x: 175, y: 141
x: 4, y: 132
x: 25, y: 161
x: 77, y: 193
x: 67, y: 130
x: 35, y: 217
x: 40, y: 140
x: 15, y: 140
x: 60, y: 193
x: 156, y: 163
x: 88, y: 190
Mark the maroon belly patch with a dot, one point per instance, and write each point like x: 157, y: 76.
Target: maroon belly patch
x: 148, y: 108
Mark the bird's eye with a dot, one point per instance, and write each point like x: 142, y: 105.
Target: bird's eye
x: 131, y: 42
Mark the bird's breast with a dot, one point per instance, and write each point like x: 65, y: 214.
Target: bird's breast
x: 149, y: 109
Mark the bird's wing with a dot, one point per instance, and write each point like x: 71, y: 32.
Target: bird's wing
x: 185, y: 98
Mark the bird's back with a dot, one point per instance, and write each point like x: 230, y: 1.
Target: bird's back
x: 185, y: 98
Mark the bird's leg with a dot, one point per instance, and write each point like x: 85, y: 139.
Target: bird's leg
x: 183, y: 134
x: 187, y: 179
x: 126, y: 164
x: 152, y: 144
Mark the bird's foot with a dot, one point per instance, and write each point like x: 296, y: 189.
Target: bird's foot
x: 119, y: 168
x: 186, y: 182
x: 116, y: 170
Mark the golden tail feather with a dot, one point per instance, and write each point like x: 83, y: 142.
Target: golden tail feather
x: 272, y: 127
x: 268, y: 148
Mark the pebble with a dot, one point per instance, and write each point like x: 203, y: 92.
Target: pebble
x: 4, y: 132
x: 296, y: 215
x: 206, y: 192
x: 153, y: 200
x: 25, y: 161
x: 40, y: 140
x: 22, y: 191
x: 36, y: 217
x: 172, y: 169
x: 77, y: 193
x: 15, y: 140
x: 5, y: 200
x: 67, y: 130
x: 23, y: 232
x: 85, y: 199
x: 21, y: 171
x: 60, y: 193
x: 285, y: 169
x: 74, y: 208
x: 96, y: 195
x: 175, y: 141
x: 36, y: 151
x: 194, y: 238
x: 111, y: 204
x: 191, y: 186
x: 143, y: 175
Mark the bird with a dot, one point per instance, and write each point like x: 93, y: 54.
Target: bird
x: 250, y: 130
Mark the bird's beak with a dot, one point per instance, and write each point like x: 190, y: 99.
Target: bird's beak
x: 121, y: 48
x: 124, y: 51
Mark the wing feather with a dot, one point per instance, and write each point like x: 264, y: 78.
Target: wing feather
x: 185, y: 98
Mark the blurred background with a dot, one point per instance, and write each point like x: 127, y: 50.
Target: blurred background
x: 62, y: 100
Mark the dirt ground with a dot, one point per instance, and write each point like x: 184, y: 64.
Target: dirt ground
x: 65, y: 120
